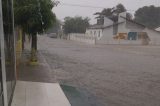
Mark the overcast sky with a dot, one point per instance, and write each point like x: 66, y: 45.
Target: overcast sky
x: 63, y: 10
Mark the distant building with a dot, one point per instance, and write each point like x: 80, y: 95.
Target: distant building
x: 99, y: 30
x: 125, y: 31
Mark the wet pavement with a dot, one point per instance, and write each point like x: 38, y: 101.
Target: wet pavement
x: 113, y: 75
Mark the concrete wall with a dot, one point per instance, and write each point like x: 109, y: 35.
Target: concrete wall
x: 82, y: 38
x: 120, y: 19
x: 122, y: 28
x: 133, y: 27
x: 107, y: 36
x: 107, y: 21
x: 129, y: 27
x: 97, y: 33
x: 154, y: 36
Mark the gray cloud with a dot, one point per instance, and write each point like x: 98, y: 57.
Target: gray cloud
x: 64, y: 10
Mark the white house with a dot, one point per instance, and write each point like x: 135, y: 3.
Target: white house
x: 98, y: 30
x: 137, y: 32
x: 125, y: 31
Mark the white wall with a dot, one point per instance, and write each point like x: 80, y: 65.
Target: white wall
x: 129, y: 27
x: 120, y: 19
x: 122, y: 28
x: 107, y: 22
x: 107, y: 37
x: 134, y: 27
x: 81, y: 38
x: 154, y: 36
x: 97, y: 33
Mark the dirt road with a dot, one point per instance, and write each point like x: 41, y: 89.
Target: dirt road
x: 116, y: 75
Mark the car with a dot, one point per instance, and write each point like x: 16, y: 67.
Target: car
x: 52, y: 35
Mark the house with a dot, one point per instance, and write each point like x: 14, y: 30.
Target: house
x: 98, y: 30
x: 125, y: 31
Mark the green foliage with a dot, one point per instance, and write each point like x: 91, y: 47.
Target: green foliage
x: 75, y: 24
x: 112, y: 13
x: 34, y: 16
x: 119, y: 8
x: 55, y: 27
x: 7, y: 16
x: 149, y: 16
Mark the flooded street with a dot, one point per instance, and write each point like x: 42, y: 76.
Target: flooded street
x: 117, y: 75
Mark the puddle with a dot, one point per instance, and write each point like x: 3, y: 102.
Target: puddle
x: 79, y: 97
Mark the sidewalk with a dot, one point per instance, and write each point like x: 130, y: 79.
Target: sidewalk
x: 36, y: 85
x: 39, y: 94
x: 37, y: 73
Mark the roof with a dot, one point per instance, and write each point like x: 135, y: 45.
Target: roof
x: 103, y: 27
x: 96, y: 26
x: 140, y: 24
x: 133, y: 21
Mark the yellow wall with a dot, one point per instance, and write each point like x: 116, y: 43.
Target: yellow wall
x: 18, y: 45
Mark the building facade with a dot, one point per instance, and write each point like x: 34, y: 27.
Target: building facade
x: 8, y: 63
x: 125, y: 31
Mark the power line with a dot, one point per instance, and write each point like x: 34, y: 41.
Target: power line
x: 86, y: 6
x: 77, y: 5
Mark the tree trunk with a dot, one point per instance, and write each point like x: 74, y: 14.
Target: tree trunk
x: 23, y: 40
x: 34, y: 42
x: 34, y: 48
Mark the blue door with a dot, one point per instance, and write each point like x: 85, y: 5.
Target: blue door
x: 132, y: 35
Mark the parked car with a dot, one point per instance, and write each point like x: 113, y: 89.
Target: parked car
x: 52, y: 35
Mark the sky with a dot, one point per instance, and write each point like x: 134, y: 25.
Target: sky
x: 63, y: 10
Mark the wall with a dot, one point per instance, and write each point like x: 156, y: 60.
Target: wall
x: 97, y: 33
x: 107, y: 37
x: 122, y: 28
x: 154, y: 36
x: 82, y: 38
x: 134, y: 27
x: 107, y: 21
x: 120, y: 19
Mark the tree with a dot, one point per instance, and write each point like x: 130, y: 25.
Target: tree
x: 112, y: 13
x: 34, y: 16
x: 55, y: 28
x: 75, y: 24
x: 149, y: 16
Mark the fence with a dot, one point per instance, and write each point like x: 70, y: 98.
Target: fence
x: 82, y: 38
